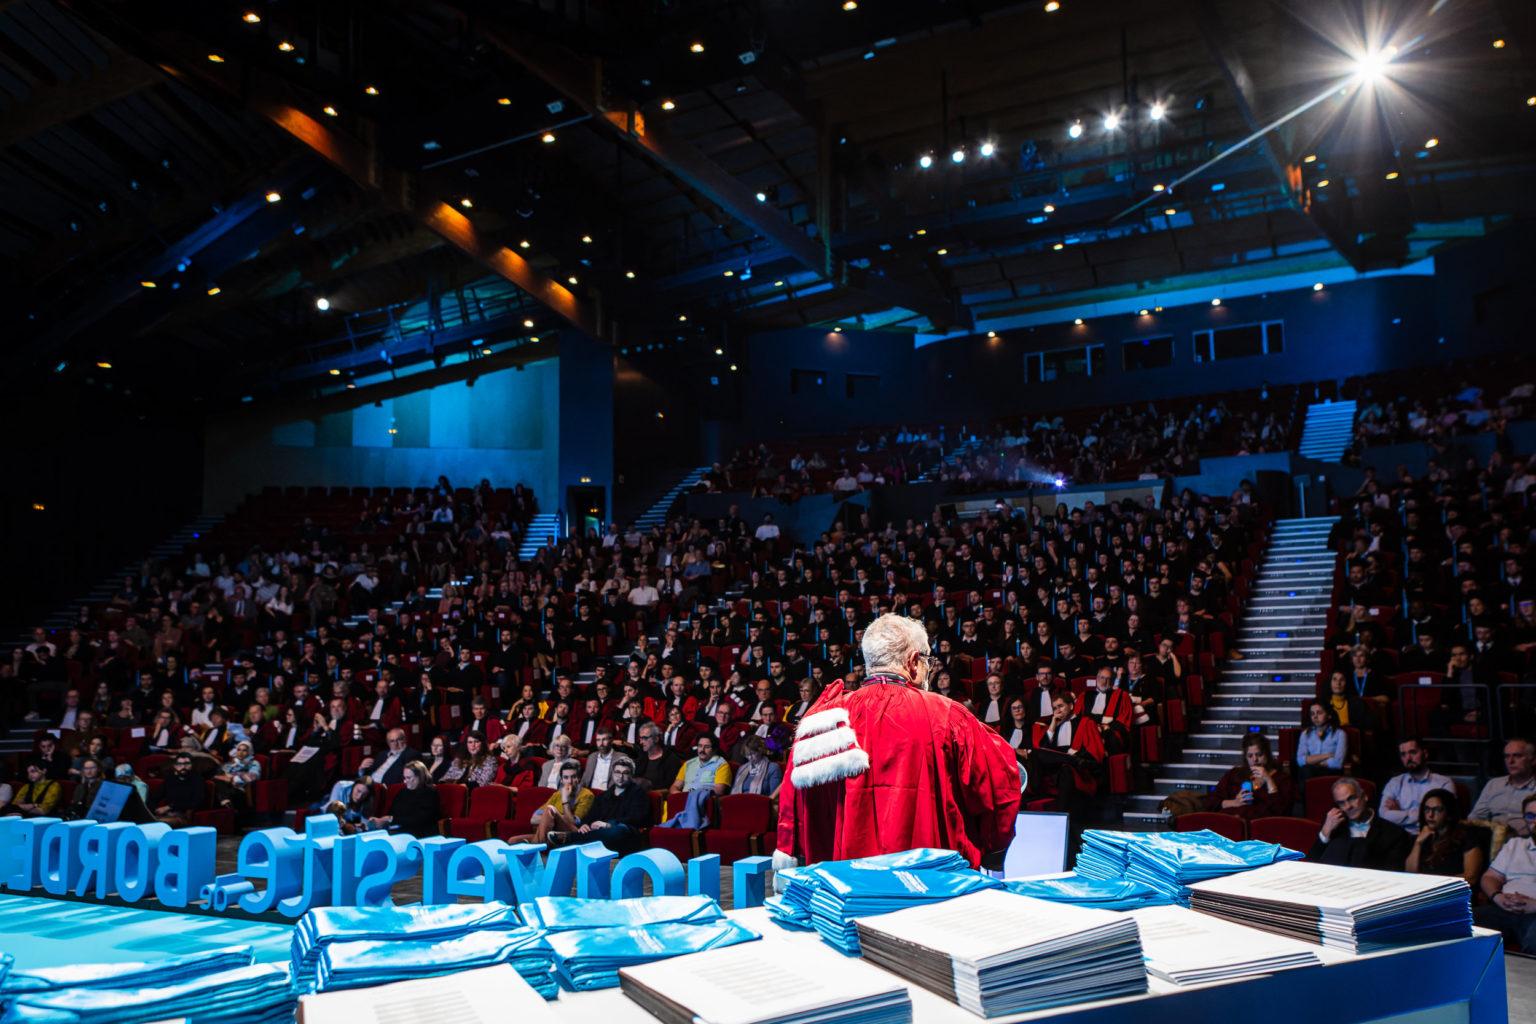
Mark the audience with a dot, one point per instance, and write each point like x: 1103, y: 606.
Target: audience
x: 1443, y: 843
x: 1256, y: 787
x: 1401, y: 797
x: 1355, y: 836
x: 1510, y: 885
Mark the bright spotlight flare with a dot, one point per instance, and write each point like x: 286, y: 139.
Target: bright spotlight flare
x: 1371, y: 66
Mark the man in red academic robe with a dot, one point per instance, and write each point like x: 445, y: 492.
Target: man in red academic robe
x: 1111, y: 709
x: 890, y: 766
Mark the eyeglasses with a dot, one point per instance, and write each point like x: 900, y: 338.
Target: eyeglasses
x: 1530, y: 815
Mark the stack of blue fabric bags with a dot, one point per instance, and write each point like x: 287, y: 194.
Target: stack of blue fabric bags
x: 354, y: 947
x: 792, y: 907
x: 591, y: 940
x: 1102, y: 893
x: 1170, y: 862
x: 222, y: 986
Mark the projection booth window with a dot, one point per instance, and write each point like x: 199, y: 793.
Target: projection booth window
x: 1240, y: 341
x: 1054, y: 364
x: 1146, y: 353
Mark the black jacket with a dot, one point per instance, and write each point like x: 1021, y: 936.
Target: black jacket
x: 632, y: 808
x: 415, y: 811
x: 1385, y: 847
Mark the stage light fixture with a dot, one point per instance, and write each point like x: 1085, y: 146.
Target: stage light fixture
x: 1111, y: 122
x: 1318, y: 286
x: 1391, y: 175
x: 762, y: 197
x: 102, y: 364
x: 371, y: 90
x: 334, y: 372
x: 1052, y: 6
x: 958, y: 156
x: 733, y: 367
x: 1078, y: 321
x: 572, y: 279
x: 1159, y: 187
x: 485, y: 351
x: 251, y: 18
x: 216, y: 58
x: 504, y: 101
x: 351, y: 386
x: 586, y: 239
x: 146, y: 283
x: 668, y: 105
x: 925, y: 161
x: 1431, y: 142
x: 988, y: 149
x: 1049, y: 208
x: 1498, y: 44
x: 1373, y: 65
x: 778, y: 284
x: 1322, y: 183
x: 328, y: 110
x: 528, y: 323
x: 1058, y: 247
x: 1169, y: 211
x: 630, y: 274
x: 1310, y: 158
x: 1075, y: 130
x: 214, y: 290
x: 547, y: 138
x: 696, y: 48
x: 285, y: 46
x: 1157, y: 111
x: 1143, y: 312
x: 943, y: 252
x: 991, y: 334
x: 1215, y: 302
x: 850, y: 5
x: 322, y: 303
x: 1059, y: 482
x: 730, y: 273
x: 682, y: 318
x: 1530, y: 101
x: 525, y: 244
x: 534, y: 339
x: 467, y: 203
x: 719, y: 351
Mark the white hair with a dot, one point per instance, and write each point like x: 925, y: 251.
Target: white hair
x: 890, y: 639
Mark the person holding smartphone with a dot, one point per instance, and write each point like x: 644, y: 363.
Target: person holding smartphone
x: 1255, y: 787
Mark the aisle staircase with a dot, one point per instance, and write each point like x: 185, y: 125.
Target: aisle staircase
x: 656, y: 515
x: 1281, y: 640
x: 544, y: 529
x: 1329, y: 429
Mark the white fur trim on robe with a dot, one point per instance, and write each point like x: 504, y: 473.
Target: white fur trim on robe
x: 826, y: 750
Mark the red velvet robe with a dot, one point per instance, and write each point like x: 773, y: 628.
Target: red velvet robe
x: 937, y: 778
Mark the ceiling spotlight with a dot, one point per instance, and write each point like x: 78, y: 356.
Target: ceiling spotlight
x: 920, y: 232
x: 1075, y: 130
x: 762, y: 197
x: 730, y: 273
x: 1143, y: 312
x: 467, y: 203
x: 943, y: 252
x: 696, y: 48
x: 485, y: 351
x: 334, y: 372
x: 1372, y: 65
x: 850, y: 5
x: 216, y: 58
x: 1078, y: 321
x: 370, y: 90
x: 1111, y: 122
x: 1215, y: 302
x: 1322, y: 183
x: 719, y: 351
x: 547, y: 137
x: 668, y: 105
x: 1530, y: 101
x: 733, y: 367
x: 252, y: 18
x: 991, y: 334
x: 504, y: 101
x: 925, y: 161
x: 147, y: 284
x: 528, y: 324
x: 682, y: 318
x: 778, y: 284
x: 1159, y: 187
x: 534, y: 338
x: 1170, y: 211
x: 1498, y: 44
x: 1157, y: 111
x: 988, y: 148
x: 586, y: 239
x: 1431, y: 143
x: 322, y: 303
x: 1318, y: 286
x: 572, y: 279
x: 629, y: 274
x: 285, y: 46
x: 1058, y: 247
x: 958, y: 156
x: 351, y: 386
x: 1310, y: 158
x: 328, y: 110
x: 525, y: 244
x: 1052, y: 6
x: 214, y: 290
x: 1391, y: 175
x: 1049, y: 208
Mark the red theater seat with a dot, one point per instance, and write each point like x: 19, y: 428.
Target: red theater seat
x: 683, y: 842
x: 1229, y: 825
x: 1293, y: 833
x: 528, y: 800
x: 487, y: 805
x: 748, y: 828
x: 1317, y: 797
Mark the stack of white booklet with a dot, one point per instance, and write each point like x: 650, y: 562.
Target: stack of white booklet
x: 1353, y: 909
x: 488, y: 995
x: 996, y: 952
x: 1187, y: 948
x: 767, y: 983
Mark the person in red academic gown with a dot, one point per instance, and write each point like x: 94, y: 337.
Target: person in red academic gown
x: 1110, y: 707
x: 1068, y: 755
x: 890, y: 766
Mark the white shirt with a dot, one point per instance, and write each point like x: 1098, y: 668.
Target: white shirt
x: 378, y: 709
x: 601, y: 765
x: 383, y: 766
x: 768, y: 531
x: 643, y: 595
x: 1517, y: 863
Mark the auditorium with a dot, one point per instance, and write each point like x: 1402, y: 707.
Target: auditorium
x: 767, y: 511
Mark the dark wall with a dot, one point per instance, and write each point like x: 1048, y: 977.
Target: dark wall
x: 1483, y: 289
x: 784, y: 397
x: 113, y: 479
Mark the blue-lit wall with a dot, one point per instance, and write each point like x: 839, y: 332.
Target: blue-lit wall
x: 506, y: 428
